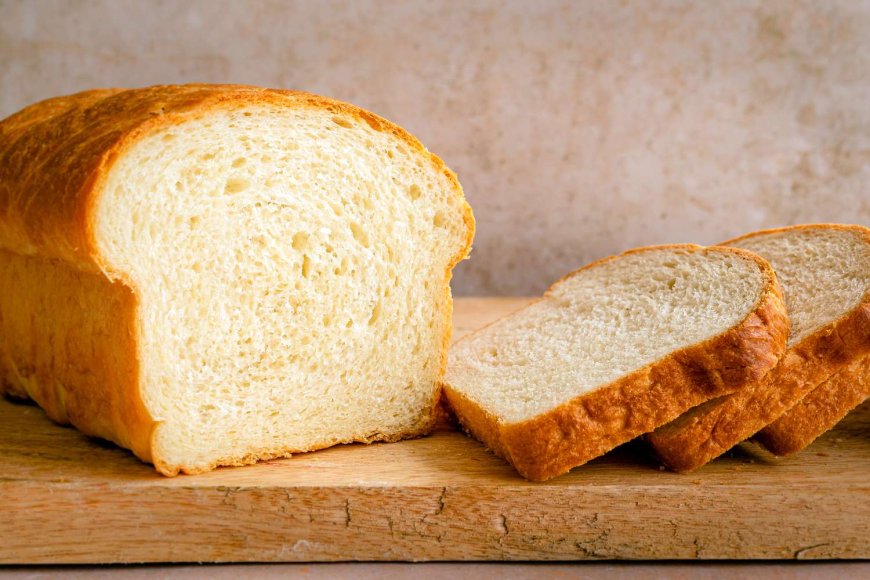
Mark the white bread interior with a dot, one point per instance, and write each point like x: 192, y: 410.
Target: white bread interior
x: 292, y: 268
x: 600, y: 324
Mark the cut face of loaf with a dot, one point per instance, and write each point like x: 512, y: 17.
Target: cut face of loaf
x: 614, y: 350
x: 270, y: 270
x: 824, y: 271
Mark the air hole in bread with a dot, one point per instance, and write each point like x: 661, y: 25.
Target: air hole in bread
x: 365, y: 201
x: 342, y: 122
x: 376, y: 313
x: 359, y: 234
x: 236, y: 185
x: 300, y: 241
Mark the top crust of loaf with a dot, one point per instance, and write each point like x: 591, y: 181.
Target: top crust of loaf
x: 48, y: 193
x: 591, y: 424
x: 56, y: 156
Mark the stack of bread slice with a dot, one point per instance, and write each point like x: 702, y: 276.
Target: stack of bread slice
x: 688, y: 345
x: 614, y: 350
x: 824, y: 271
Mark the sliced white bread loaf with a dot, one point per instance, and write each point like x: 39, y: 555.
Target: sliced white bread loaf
x: 212, y: 275
x: 614, y: 350
x: 824, y: 271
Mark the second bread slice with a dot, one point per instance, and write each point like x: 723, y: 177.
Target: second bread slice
x: 615, y: 350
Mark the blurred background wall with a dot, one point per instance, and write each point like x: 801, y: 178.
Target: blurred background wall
x: 578, y: 128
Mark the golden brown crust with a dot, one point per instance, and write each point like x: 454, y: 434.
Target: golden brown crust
x: 82, y: 346
x: 819, y: 411
x: 590, y: 425
x: 710, y: 430
x: 55, y: 157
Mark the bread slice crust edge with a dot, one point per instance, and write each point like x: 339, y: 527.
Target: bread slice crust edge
x: 48, y: 200
x: 708, y: 431
x: 589, y: 425
x: 819, y: 411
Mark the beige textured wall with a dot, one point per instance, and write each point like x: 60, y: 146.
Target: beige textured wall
x: 577, y: 128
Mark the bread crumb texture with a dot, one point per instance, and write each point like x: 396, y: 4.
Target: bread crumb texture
x: 289, y: 260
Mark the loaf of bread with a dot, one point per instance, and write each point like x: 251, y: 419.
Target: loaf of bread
x: 615, y: 350
x: 213, y: 275
x: 825, y: 275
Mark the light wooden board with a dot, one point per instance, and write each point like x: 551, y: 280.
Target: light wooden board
x: 66, y: 498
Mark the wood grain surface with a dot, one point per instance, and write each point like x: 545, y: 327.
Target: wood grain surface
x: 70, y: 499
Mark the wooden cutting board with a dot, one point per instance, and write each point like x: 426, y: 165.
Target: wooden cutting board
x: 67, y: 498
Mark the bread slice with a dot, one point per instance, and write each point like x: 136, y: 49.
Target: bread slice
x: 825, y: 275
x: 212, y: 275
x: 614, y: 350
x: 818, y: 411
